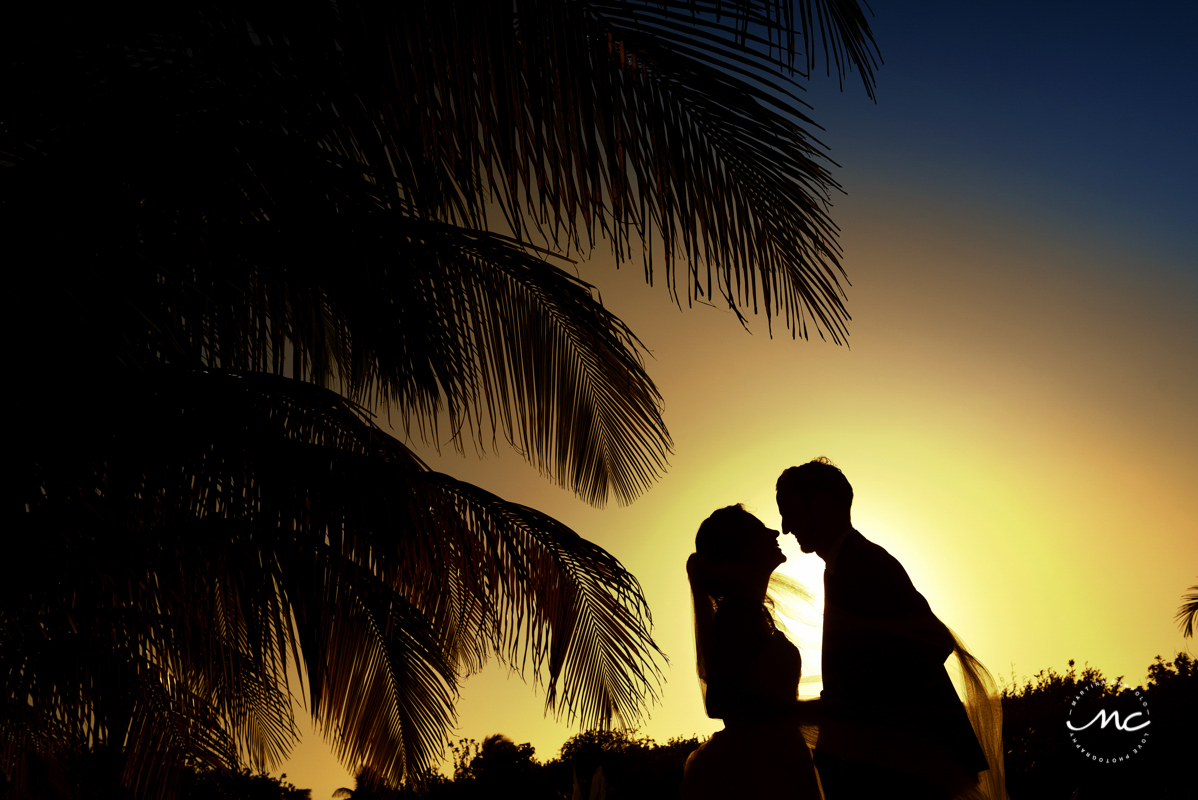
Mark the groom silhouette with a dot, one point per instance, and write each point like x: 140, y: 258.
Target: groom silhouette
x: 896, y: 728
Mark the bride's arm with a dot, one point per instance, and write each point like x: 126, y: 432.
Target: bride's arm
x: 733, y: 683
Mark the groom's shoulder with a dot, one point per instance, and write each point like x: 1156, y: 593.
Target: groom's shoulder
x: 878, y: 573
x: 872, y: 555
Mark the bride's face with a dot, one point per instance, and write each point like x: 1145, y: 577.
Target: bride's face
x: 762, y: 545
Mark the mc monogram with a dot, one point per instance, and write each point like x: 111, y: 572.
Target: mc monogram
x: 1125, y: 725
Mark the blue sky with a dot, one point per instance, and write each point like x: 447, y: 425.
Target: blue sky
x: 1079, y: 115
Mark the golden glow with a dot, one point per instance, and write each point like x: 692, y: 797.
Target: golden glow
x: 1016, y: 415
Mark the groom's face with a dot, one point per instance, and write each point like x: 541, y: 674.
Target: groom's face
x: 801, y: 519
x: 796, y: 519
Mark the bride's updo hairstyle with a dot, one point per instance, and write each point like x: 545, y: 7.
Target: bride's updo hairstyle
x: 720, y: 537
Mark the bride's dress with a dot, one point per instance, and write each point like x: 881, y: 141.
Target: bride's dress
x: 751, y: 682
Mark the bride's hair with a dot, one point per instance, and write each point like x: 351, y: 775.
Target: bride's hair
x: 721, y: 540
x: 719, y: 537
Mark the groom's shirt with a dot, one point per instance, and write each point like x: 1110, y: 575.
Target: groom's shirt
x: 884, y: 650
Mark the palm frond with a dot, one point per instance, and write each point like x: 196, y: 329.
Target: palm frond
x: 110, y: 665
x: 630, y: 120
x: 434, y: 320
x: 229, y: 212
x: 579, y: 119
x: 1188, y: 612
x: 301, y: 531
x: 552, y: 600
x: 482, y: 570
x: 256, y: 167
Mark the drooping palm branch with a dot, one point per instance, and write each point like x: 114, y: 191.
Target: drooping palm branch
x: 252, y: 134
x: 634, y: 120
x: 1187, y: 614
x: 250, y: 517
x: 240, y: 223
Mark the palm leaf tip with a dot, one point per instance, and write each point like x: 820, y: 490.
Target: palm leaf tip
x: 1187, y: 614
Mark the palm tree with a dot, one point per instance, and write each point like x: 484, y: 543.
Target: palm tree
x: 244, y: 227
x: 1187, y: 614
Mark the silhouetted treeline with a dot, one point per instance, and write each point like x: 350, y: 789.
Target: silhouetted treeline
x: 615, y: 764
x: 1041, y: 761
x: 97, y: 776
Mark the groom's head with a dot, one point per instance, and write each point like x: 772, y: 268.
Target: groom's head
x: 814, y: 500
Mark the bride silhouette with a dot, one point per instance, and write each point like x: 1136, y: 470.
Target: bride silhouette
x: 748, y: 669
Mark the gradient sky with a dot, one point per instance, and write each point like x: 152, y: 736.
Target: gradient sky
x: 1015, y: 408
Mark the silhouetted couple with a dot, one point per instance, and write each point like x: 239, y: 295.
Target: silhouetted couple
x: 888, y: 723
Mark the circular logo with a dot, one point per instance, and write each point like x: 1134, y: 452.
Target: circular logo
x: 1108, y: 726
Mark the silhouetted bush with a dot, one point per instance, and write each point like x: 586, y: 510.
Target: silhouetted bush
x: 1042, y: 762
x: 243, y: 785
x: 97, y: 776
x: 634, y: 768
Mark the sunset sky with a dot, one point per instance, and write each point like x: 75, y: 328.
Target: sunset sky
x: 1016, y: 405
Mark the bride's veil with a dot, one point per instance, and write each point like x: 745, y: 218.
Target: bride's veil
x: 983, y: 704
